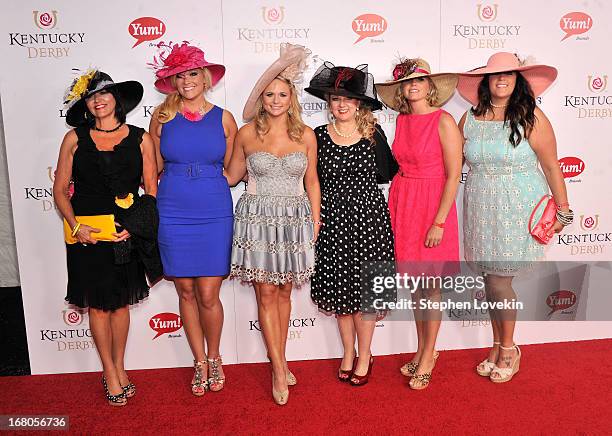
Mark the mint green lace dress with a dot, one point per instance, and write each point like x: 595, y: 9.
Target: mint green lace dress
x: 503, y: 185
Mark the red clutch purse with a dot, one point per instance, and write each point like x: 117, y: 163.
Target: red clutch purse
x: 543, y: 229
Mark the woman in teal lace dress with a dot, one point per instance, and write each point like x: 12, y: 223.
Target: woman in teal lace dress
x: 506, y: 137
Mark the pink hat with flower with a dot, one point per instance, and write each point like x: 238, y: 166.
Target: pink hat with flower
x: 540, y: 77
x: 175, y: 59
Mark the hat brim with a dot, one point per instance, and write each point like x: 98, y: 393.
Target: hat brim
x: 164, y: 83
x: 445, y: 84
x: 539, y: 77
x: 130, y: 93
x: 322, y: 93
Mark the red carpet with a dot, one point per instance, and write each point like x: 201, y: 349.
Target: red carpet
x: 561, y: 388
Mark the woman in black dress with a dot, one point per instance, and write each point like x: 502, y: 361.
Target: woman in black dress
x: 106, y: 160
x: 353, y: 157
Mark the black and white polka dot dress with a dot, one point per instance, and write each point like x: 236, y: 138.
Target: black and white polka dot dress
x: 357, y: 227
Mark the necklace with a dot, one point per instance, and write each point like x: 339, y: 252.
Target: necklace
x: 196, y: 115
x: 97, y: 129
x: 499, y: 106
x: 343, y: 135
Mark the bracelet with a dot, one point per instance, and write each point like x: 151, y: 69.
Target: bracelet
x: 76, y: 228
x: 319, y: 223
x: 440, y: 225
x: 565, y: 218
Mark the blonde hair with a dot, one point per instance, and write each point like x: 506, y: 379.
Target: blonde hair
x: 171, y: 105
x: 403, y: 107
x: 295, y: 125
x: 366, y: 122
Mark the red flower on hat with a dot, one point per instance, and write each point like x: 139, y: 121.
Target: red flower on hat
x: 183, y: 56
x: 404, y: 68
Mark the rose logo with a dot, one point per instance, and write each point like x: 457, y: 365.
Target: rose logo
x: 598, y: 83
x: 45, y: 20
x: 487, y: 13
x: 273, y: 15
x: 589, y: 222
x: 72, y: 317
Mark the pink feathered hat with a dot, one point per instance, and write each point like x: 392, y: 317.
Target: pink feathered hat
x: 175, y: 59
x: 540, y: 77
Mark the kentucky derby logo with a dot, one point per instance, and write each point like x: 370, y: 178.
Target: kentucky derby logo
x: 589, y: 223
x: 45, y: 20
x: 486, y: 12
x: 72, y: 317
x: 369, y: 25
x: 598, y: 83
x: 273, y: 15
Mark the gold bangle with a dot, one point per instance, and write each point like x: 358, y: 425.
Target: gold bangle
x: 76, y: 228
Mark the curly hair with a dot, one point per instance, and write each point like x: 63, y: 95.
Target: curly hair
x: 520, y: 111
x: 295, y: 125
x: 171, y: 105
x: 403, y: 105
x: 366, y: 122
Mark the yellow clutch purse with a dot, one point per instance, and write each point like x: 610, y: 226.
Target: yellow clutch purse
x: 106, y: 224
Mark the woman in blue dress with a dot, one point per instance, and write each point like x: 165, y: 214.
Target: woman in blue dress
x: 194, y: 140
x: 506, y: 137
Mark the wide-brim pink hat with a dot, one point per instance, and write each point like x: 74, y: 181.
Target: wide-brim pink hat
x: 290, y: 65
x: 539, y: 77
x: 175, y: 59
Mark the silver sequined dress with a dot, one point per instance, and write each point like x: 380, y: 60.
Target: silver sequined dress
x: 273, y: 228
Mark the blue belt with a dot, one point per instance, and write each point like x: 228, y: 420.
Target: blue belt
x: 193, y: 169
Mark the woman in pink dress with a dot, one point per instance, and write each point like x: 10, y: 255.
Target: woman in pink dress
x: 428, y: 149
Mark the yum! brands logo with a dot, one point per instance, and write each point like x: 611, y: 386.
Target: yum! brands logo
x: 592, y: 106
x: 487, y: 32
x: 45, y: 20
x: 268, y: 38
x: 146, y: 29
x: 166, y: 322
x: 575, y: 23
x: 369, y: 26
x: 571, y: 167
x: 273, y: 15
x: 561, y: 301
x: 486, y: 12
x: 45, y: 43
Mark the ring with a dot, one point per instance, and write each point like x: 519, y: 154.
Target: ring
x: 84, y: 245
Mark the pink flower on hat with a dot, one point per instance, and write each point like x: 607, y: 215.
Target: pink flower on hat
x: 181, y: 57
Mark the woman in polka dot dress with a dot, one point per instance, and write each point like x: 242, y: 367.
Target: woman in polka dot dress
x: 354, y: 157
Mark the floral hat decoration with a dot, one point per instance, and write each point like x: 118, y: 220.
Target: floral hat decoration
x: 173, y: 59
x: 86, y: 84
x: 290, y: 66
x: 349, y: 82
x: 407, y: 69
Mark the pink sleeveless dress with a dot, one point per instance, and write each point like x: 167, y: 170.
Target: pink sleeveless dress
x: 416, y: 190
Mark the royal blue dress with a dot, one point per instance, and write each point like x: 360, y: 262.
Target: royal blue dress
x: 194, y: 199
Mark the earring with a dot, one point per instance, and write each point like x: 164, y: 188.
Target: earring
x: 290, y: 111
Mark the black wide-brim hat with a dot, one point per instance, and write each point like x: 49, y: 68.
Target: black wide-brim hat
x: 346, y: 81
x: 129, y: 95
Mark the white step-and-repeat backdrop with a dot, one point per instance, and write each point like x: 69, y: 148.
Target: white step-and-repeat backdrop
x: 43, y: 40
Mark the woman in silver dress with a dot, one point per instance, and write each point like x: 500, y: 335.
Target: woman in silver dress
x: 277, y: 219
